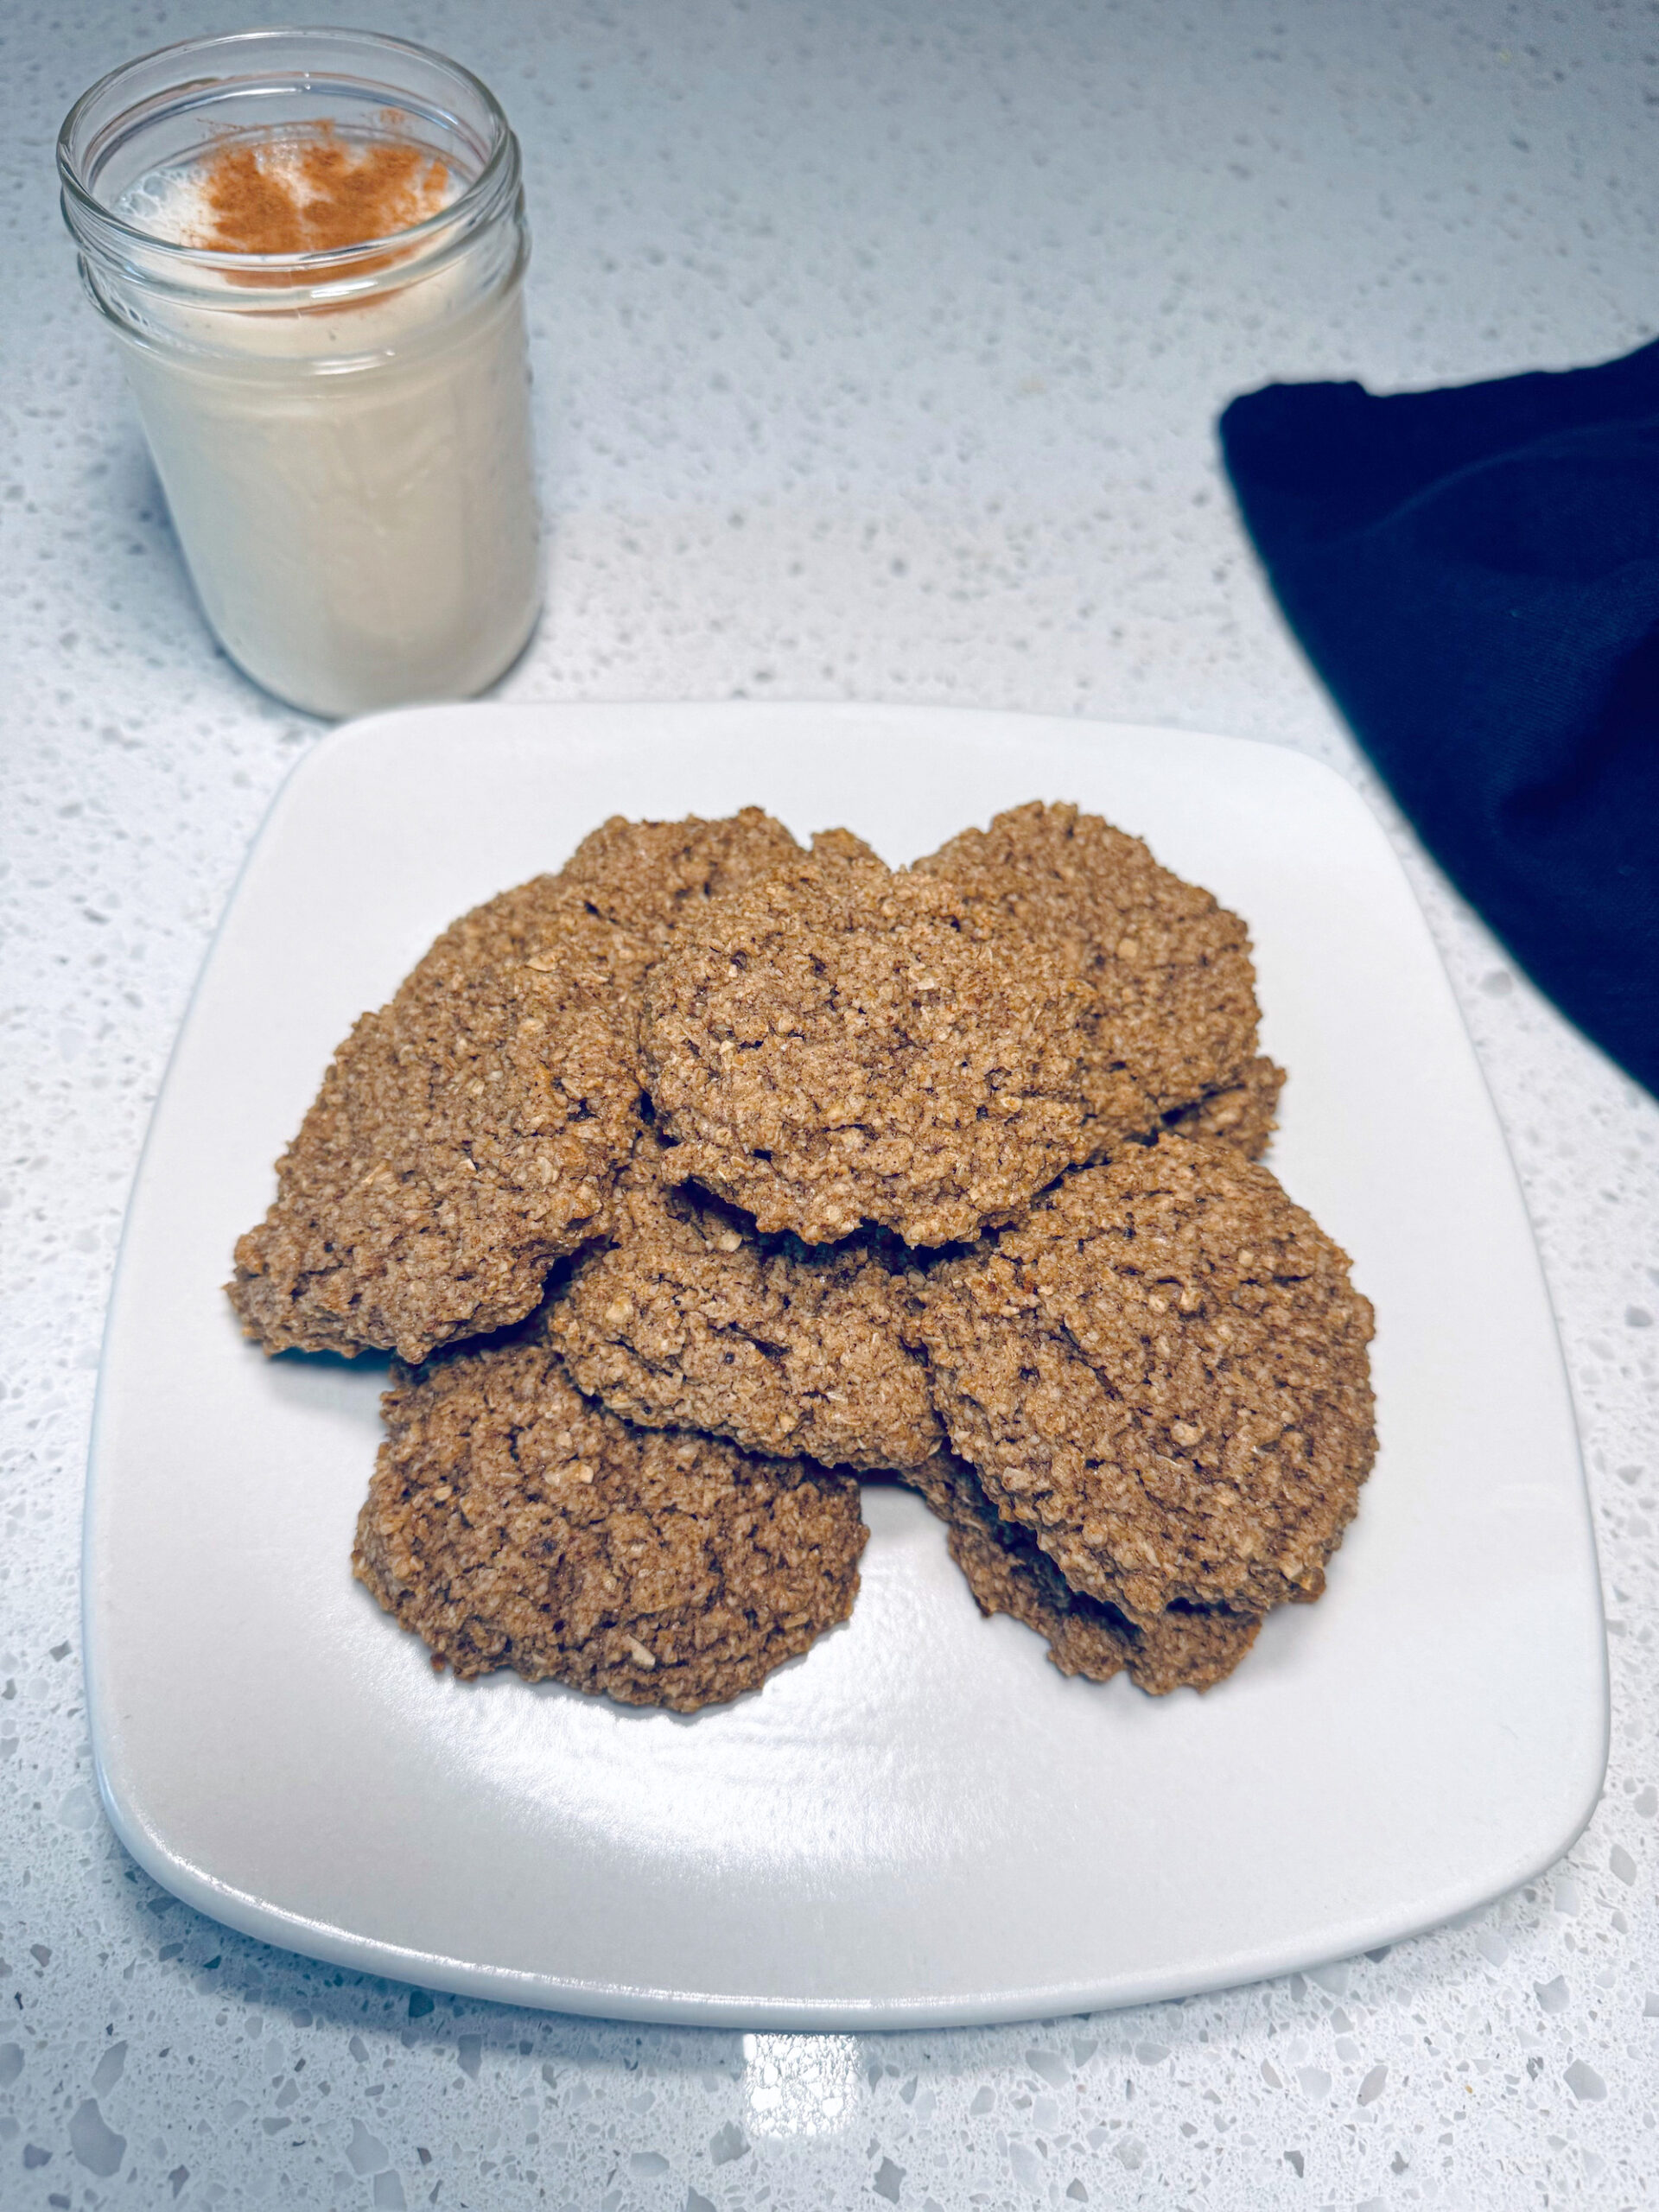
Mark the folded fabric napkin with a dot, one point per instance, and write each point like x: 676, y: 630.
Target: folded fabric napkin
x: 1475, y: 574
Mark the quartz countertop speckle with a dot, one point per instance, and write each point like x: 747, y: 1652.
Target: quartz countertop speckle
x: 878, y: 351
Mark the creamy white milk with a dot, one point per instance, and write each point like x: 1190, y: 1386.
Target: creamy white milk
x: 352, y: 484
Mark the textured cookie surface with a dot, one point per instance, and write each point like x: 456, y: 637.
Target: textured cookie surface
x: 655, y: 878
x: 690, y: 1321
x: 1171, y: 967
x: 833, y: 1047
x: 469, y: 1132
x: 1243, y: 1115
x: 512, y: 1522
x: 842, y: 845
x: 1162, y: 1372
x: 1009, y: 1573
x: 464, y: 1136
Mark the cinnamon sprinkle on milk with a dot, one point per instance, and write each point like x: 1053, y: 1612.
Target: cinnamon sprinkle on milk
x: 310, y: 194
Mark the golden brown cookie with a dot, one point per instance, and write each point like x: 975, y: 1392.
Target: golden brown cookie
x: 469, y: 1132
x: 690, y: 1321
x: 1162, y: 1371
x: 512, y: 1522
x: 655, y: 878
x: 842, y: 845
x: 1244, y: 1115
x: 1187, y: 1646
x: 466, y: 1135
x: 1170, y: 967
x: 833, y: 1047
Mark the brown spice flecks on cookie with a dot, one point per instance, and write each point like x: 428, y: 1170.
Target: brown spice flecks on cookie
x: 1243, y: 1115
x: 1170, y: 967
x: 833, y: 1047
x: 690, y: 1321
x: 1009, y: 1573
x: 1162, y: 1371
x: 512, y: 1522
x: 468, y: 1134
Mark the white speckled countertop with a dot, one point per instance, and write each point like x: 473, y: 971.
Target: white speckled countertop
x: 878, y: 350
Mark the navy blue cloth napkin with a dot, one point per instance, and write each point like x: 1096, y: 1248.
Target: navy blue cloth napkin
x: 1475, y: 574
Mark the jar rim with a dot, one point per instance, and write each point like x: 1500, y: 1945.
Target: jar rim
x: 95, y: 224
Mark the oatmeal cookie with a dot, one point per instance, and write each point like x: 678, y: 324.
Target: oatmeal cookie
x: 469, y: 1132
x: 512, y: 1522
x: 833, y: 1047
x: 690, y: 1321
x: 1162, y: 1371
x: 655, y: 878
x: 1186, y: 1647
x: 1169, y: 967
x: 842, y: 845
x: 1244, y: 1115
x: 464, y: 1136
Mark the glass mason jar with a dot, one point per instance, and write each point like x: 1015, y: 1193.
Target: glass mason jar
x: 343, y: 436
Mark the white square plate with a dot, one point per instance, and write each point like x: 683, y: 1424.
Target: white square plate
x: 920, y: 1820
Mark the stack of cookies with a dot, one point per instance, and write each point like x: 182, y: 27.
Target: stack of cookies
x: 697, y: 1182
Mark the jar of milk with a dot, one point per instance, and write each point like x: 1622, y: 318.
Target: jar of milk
x: 311, y: 245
